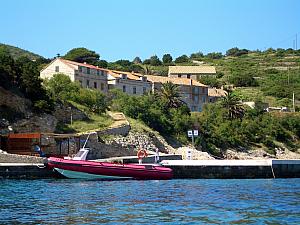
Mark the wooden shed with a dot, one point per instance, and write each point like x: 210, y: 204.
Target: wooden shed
x: 23, y: 143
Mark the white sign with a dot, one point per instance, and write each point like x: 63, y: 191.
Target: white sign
x: 195, y: 132
x: 189, y: 155
x: 190, y: 133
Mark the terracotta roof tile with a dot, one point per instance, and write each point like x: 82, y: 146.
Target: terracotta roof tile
x: 178, y: 81
x: 72, y: 63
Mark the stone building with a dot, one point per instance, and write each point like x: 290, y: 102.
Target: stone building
x: 88, y: 76
x: 193, y: 72
x: 129, y: 83
x: 192, y: 92
x: 214, y: 94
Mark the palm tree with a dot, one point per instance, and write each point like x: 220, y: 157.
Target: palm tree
x: 232, y: 104
x: 147, y: 70
x: 170, y: 94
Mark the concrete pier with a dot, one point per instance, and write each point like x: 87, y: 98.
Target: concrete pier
x: 234, y: 169
x: 223, y: 169
x: 25, y: 171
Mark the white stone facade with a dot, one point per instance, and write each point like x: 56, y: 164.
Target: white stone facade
x: 88, y: 76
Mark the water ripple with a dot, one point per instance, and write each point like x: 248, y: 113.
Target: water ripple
x: 150, y: 202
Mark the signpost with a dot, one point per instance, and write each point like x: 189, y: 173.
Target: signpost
x: 192, y: 134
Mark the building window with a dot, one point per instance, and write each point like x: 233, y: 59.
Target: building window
x: 98, y: 72
x: 196, y: 90
x: 196, y: 99
x: 102, y: 86
x: 179, y: 75
x: 144, y: 90
x: 203, y: 90
x: 80, y: 82
x: 188, y: 76
x: 124, y: 88
x: 134, y: 90
x: 194, y: 108
x: 87, y: 83
x: 199, y: 109
x: 56, y: 68
x: 95, y: 85
x: 88, y: 70
x: 203, y: 99
x: 80, y: 69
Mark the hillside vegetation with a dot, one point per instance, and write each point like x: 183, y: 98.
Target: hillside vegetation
x: 271, y: 76
x: 16, y: 52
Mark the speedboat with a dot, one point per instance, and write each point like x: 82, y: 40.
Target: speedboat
x: 79, y: 167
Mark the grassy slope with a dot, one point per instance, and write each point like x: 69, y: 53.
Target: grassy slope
x: 95, y: 122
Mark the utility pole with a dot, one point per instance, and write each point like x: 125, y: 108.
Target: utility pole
x: 294, y: 45
x: 293, y: 101
x: 296, y: 42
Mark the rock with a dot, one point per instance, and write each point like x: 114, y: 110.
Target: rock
x: 196, y: 154
x: 45, y: 123
x: 281, y: 153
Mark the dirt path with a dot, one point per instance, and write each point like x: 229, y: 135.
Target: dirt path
x: 119, y: 119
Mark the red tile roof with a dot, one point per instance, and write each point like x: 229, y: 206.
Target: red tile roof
x: 69, y: 62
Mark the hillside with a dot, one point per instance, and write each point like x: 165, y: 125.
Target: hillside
x: 270, y: 76
x: 16, y: 52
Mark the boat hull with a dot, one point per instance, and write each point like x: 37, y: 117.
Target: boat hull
x: 103, y: 170
x: 79, y: 175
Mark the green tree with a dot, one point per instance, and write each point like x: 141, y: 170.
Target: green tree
x: 155, y: 61
x: 31, y: 86
x: 30, y: 81
x: 170, y: 95
x: 214, y: 55
x: 167, y: 59
x: 8, y: 73
x: 147, y: 62
x: 96, y: 101
x: 243, y: 79
x: 210, y: 81
x: 197, y: 55
x: 236, y: 52
x: 102, y: 63
x: 182, y: 59
x: 137, y: 60
x: 61, y: 87
x: 82, y: 55
x: 233, y: 106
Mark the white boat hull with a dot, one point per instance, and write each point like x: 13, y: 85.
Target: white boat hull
x: 88, y: 176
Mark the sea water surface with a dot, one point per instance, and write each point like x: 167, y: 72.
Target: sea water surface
x: 51, y: 201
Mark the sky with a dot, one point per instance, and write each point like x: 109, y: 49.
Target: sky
x: 124, y: 29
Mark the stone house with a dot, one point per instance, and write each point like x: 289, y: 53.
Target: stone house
x: 193, y: 72
x: 88, y: 76
x: 192, y: 92
x: 129, y: 83
x: 214, y: 94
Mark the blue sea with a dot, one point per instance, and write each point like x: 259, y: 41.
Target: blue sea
x: 52, y: 201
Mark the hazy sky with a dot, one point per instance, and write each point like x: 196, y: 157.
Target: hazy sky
x: 120, y: 29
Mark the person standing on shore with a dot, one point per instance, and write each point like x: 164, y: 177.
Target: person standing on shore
x: 156, y: 157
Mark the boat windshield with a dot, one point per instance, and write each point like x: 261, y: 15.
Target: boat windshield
x: 79, y: 154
